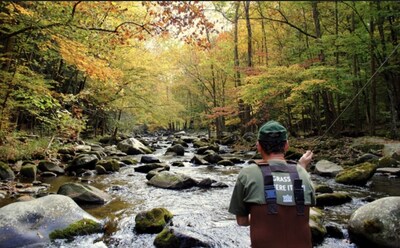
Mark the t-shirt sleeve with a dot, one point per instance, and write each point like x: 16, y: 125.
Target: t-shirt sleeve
x: 237, y: 206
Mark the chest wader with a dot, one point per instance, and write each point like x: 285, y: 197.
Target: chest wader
x: 280, y: 226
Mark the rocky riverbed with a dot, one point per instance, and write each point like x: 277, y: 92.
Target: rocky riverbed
x: 192, y: 177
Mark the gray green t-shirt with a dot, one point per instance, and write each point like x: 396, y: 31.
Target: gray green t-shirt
x: 249, y: 188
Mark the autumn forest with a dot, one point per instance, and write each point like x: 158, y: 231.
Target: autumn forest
x: 87, y: 68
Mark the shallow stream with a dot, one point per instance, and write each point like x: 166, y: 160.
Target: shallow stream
x: 202, y: 211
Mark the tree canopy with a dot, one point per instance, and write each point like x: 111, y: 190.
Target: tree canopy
x: 71, y: 67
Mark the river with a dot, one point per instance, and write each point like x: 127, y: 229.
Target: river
x: 202, y: 211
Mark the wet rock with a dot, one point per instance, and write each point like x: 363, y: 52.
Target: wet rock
x: 203, y: 150
x: 213, y: 158
x: 110, y: 165
x: 50, y: 166
x: 376, y: 224
x: 334, y: 231
x: 148, y: 159
x: 332, y: 199
x: 152, y: 173
x: 28, y: 224
x: 180, y: 142
x: 78, y: 228
x: 82, y: 161
x: 368, y: 157
x: 84, y: 193
x: 148, y: 167
x: 179, y: 150
x: 178, y: 164
x: 390, y: 171
x: 318, y: 231
x: 183, y: 238
x: 133, y: 146
x: 387, y: 161
x: 29, y: 170
x: 356, y: 175
x: 152, y: 221
x: 198, y: 161
x: 101, y: 170
x: 323, y: 189
x: 171, y: 180
x: 225, y: 162
x: 211, y: 183
x: 188, y: 139
x: 5, y: 172
x: 327, y: 168
x: 129, y: 161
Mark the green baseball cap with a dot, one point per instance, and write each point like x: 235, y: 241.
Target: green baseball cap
x: 272, y: 130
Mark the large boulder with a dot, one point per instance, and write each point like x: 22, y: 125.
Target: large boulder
x: 133, y: 146
x: 356, y: 175
x: 171, y: 180
x: 179, y: 150
x: 5, y: 172
x: 180, y: 237
x: 376, y: 224
x: 327, y: 168
x: 152, y: 221
x: 29, y: 224
x: 84, y: 193
x: 110, y: 165
x: 45, y: 165
x: 82, y: 162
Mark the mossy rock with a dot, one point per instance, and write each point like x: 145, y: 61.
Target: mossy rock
x: 356, y: 175
x: 387, y: 161
x: 79, y: 228
x: 318, y: 230
x: 323, y: 189
x: 152, y: 221
x: 332, y: 199
x: 29, y: 170
x: 129, y: 161
x: 111, y: 165
x: 6, y: 172
x: 172, y: 237
x: 166, y: 238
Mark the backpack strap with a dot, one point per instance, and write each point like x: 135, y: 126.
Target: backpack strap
x: 269, y: 189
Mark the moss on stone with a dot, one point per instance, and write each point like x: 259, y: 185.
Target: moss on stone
x: 152, y: 221
x: 6, y: 172
x: 29, y: 170
x: 81, y: 227
x: 356, y: 175
x: 166, y: 239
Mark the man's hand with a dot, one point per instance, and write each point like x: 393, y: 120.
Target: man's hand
x: 305, y: 160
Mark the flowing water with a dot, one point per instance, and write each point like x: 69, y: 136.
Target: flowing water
x: 202, y: 211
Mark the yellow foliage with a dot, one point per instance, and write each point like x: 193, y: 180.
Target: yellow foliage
x: 77, y: 54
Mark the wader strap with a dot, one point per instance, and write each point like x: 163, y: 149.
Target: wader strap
x: 297, y: 188
x: 269, y: 190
